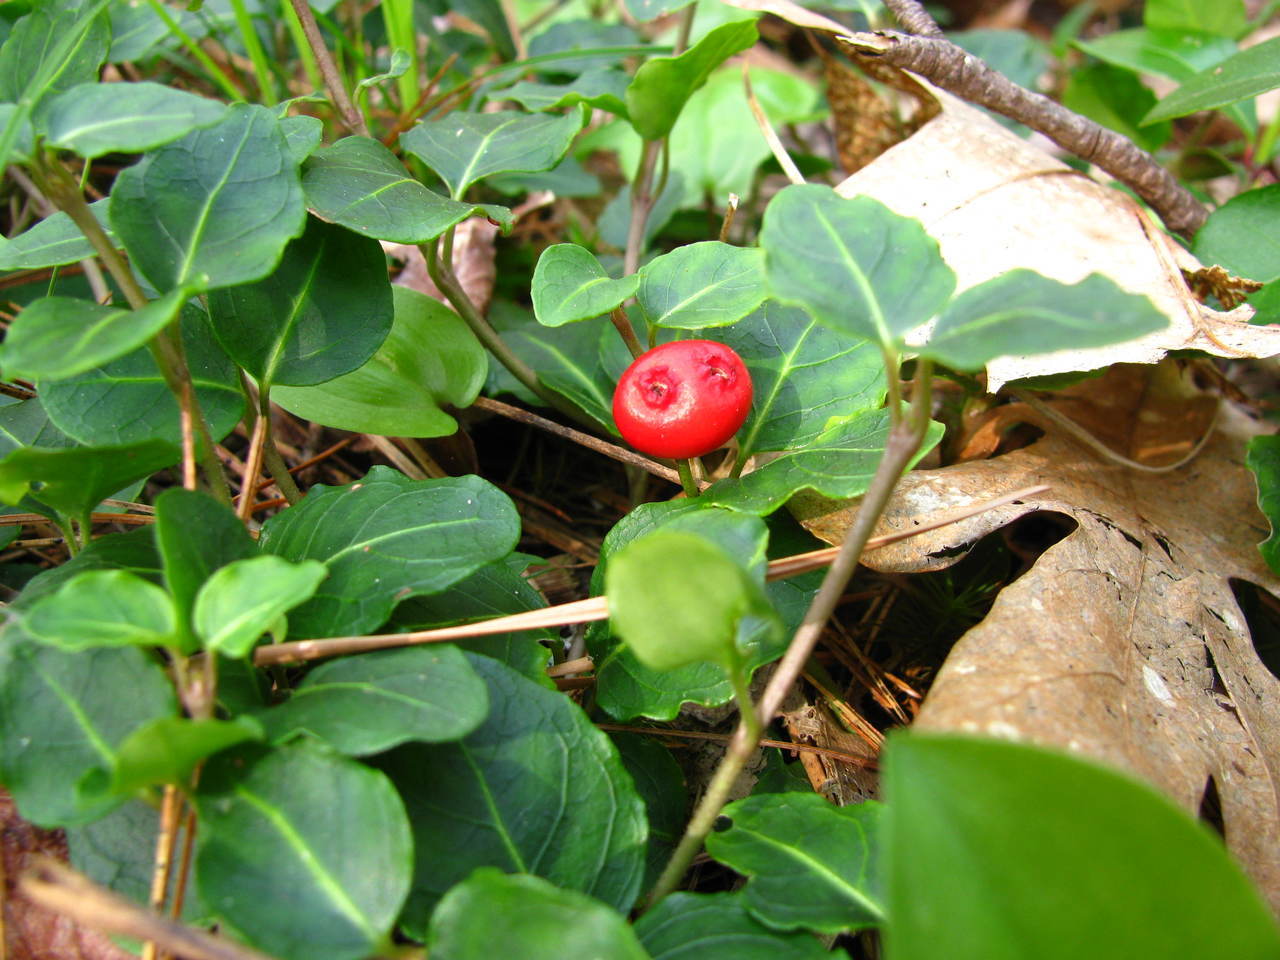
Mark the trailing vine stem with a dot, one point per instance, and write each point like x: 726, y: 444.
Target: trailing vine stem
x: 906, y: 434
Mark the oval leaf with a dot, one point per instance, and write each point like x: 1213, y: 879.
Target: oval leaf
x: 103, y: 608
x: 708, y: 284
x: 167, y: 749
x: 690, y: 926
x: 570, y: 285
x: 97, y: 118
x: 52, y: 242
x: 245, y: 599
x: 1246, y: 74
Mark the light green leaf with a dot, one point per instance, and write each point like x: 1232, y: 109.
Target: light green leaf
x: 51, y: 49
x: 327, y: 831
x: 375, y: 701
x: 385, y: 538
x: 661, y: 86
x: 17, y: 126
x: 604, y: 88
x: 167, y: 749
x: 244, y: 599
x: 360, y: 184
x: 693, y: 926
x: 1243, y: 235
x: 1239, y: 77
x: 1021, y: 313
x: 303, y: 134
x: 709, y: 284
x: 1226, y: 18
x: 491, y: 913
x: 1263, y: 459
x: 133, y: 551
x: 52, y: 242
x: 465, y: 147
x: 239, y: 204
x: 97, y: 118
x: 812, y: 865
x: 59, y: 337
x: 74, y: 480
x: 103, y: 608
x: 853, y: 265
x: 429, y: 360
x: 972, y: 827
x: 569, y: 285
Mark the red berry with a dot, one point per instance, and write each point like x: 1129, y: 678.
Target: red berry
x: 682, y: 399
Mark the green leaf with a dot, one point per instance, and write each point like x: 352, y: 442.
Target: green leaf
x: 52, y: 242
x: 303, y: 135
x: 645, y: 10
x: 1117, y: 99
x: 1246, y: 74
x: 812, y: 865
x: 429, y: 360
x: 97, y: 118
x: 213, y: 209
x: 535, y: 789
x: 133, y: 551
x: 26, y: 424
x: 491, y: 913
x: 51, y: 49
x: 75, y: 480
x: 971, y: 826
x: 136, y: 31
x: 569, y: 285
x: 103, y: 608
x: 603, y: 87
x: 17, y: 124
x: 322, y: 313
x: 375, y: 701
x: 661, y: 87
x: 300, y: 821
x: 1243, y: 235
x: 670, y: 575
x: 806, y: 377
x: 709, y: 284
x: 360, y: 184
x: 1226, y: 18
x: 1021, y: 313
x: 386, y: 537
x: 127, y: 399
x: 1263, y: 459
x: 167, y: 749
x: 246, y: 598
x: 566, y: 37
x: 465, y: 147
x: 660, y: 783
x: 62, y: 715
x: 693, y: 926
x: 60, y: 337
x: 615, y: 221
x: 853, y: 265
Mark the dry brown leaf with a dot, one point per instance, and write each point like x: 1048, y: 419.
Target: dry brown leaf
x: 1123, y: 642
x: 995, y: 202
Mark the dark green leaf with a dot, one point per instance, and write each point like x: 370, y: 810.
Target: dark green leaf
x: 1117, y: 99
x: 853, y: 265
x: 322, y: 313
x: 167, y: 749
x: 17, y: 125
x: 429, y: 360
x: 63, y: 714
x: 75, y: 480
x: 569, y: 285
x: 604, y: 88
x: 812, y: 865
x: 103, y: 608
x: 568, y: 178
x: 51, y: 49
x: 709, y: 284
x: 696, y: 926
x: 370, y: 703
x: 1022, y: 313
x: 97, y: 118
x: 1018, y: 54
x: 661, y: 86
x: 133, y: 551
x: 1225, y: 18
x: 360, y: 184
x: 215, y: 208
x: 59, y: 337
x: 1239, y: 77
x: 616, y: 219
x: 1243, y: 235
x: 660, y: 783
x: 491, y: 914
x: 465, y: 147
x: 536, y: 789
x: 26, y: 424
x: 52, y: 242
x: 387, y: 537
x: 568, y: 36
x: 246, y: 598
x: 137, y: 30
x: 1264, y: 460
x: 644, y: 10
x: 326, y: 833
x: 996, y: 848
x: 303, y: 135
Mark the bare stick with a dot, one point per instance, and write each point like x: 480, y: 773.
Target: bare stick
x: 914, y: 18
x: 770, y: 135
x: 620, y: 321
x: 642, y: 200
x: 352, y: 117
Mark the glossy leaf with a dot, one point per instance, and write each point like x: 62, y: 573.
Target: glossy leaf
x: 385, y: 538
x: 709, y: 284
x: 302, y: 819
x: 74, y: 480
x: 972, y: 827
x: 662, y: 85
x: 604, y: 88
x: 96, y: 118
x: 167, y: 749
x: 805, y: 377
x: 375, y: 701
x: 691, y: 926
x: 52, y: 242
x: 429, y: 360
x: 322, y: 313
x: 103, y: 608
x: 1263, y: 459
x: 59, y: 337
x: 569, y: 285
x: 1243, y: 235
x: 302, y: 134
x: 492, y: 913
x: 535, y: 789
x: 62, y: 715
x: 1246, y: 74
x: 465, y: 147
x: 246, y: 598
x: 240, y: 203
x: 853, y: 265
x: 812, y: 865
x: 660, y: 782
x: 1021, y: 313
x: 1225, y: 18
x: 360, y: 184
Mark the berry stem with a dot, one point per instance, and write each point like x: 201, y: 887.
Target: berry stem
x: 685, y: 469
x: 619, y: 318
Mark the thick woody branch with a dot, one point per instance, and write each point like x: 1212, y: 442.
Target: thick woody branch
x: 948, y: 66
x: 914, y: 18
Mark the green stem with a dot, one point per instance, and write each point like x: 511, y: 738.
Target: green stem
x: 257, y: 56
x: 271, y: 458
x: 397, y: 16
x: 625, y: 330
x: 685, y: 469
